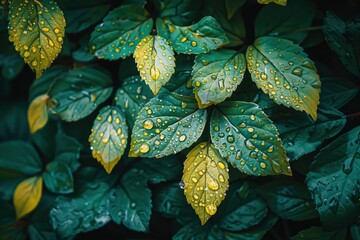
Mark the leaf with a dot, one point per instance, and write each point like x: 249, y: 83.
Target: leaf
x: 301, y: 135
x: 108, y: 137
x: 233, y: 26
x: 289, y: 22
x: 280, y: 2
x: 121, y: 30
x: 232, y: 6
x: 198, y: 232
x: 342, y: 39
x: 333, y: 181
x: 317, y: 233
x: 205, y: 180
x: 284, y: 72
x: 87, y: 210
x: 244, y: 135
x: 288, y: 199
x: 18, y: 159
x: 131, y: 97
x: 38, y: 113
x: 27, y: 195
x: 155, y: 61
x: 58, y: 178
x: 179, y: 12
x: 216, y: 76
x: 355, y: 231
x: 37, y: 30
x: 84, y: 14
x: 337, y: 92
x: 201, y: 37
x: 166, y: 125
x: 78, y: 92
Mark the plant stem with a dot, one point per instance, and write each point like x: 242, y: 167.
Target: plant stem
x: 352, y: 115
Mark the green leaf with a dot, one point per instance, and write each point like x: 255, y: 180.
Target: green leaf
x: 337, y: 92
x: 355, y: 231
x: 317, y: 233
x: 42, y: 85
x: 27, y: 195
x: 333, y: 181
x: 155, y: 61
x: 12, y: 66
x: 232, y: 6
x: 195, y: 231
x: 205, y: 180
x: 58, y: 178
x: 284, y: 72
x: 289, y: 199
x: 216, y: 76
x: 82, y: 15
x: 88, y: 209
x: 202, y: 37
x: 109, y: 136
x: 82, y: 54
x: 37, y: 30
x: 280, y: 2
x: 78, y: 92
x: 233, y: 26
x: 289, y: 22
x: 166, y: 125
x: 18, y: 159
x: 179, y: 12
x: 244, y: 135
x: 342, y: 39
x: 38, y: 113
x: 131, y: 97
x: 121, y: 30
x: 301, y: 135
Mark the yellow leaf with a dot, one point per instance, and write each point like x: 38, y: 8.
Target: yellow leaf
x: 206, y: 180
x: 155, y: 61
x: 37, y: 29
x: 280, y: 2
x: 38, y: 113
x: 27, y: 195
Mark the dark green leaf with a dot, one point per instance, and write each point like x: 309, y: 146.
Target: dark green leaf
x: 342, y: 39
x: 247, y: 138
x: 121, y: 30
x: 82, y: 15
x: 166, y: 125
x: 58, y: 178
x: 83, y: 54
x: 289, y: 199
x: 77, y: 93
x: 179, y: 12
x: 109, y: 136
x: 316, y: 233
x: 301, y: 135
x: 195, y: 231
x: 232, y: 6
x: 355, y: 232
x: 202, y: 37
x: 131, y: 97
x: 334, y: 183
x: 216, y: 75
x: 284, y: 72
x: 288, y: 22
x: 12, y: 66
x: 42, y: 85
x: 337, y: 92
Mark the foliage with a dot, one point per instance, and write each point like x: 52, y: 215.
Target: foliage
x: 212, y: 119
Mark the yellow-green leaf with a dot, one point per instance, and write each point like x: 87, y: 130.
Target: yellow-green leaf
x: 206, y: 180
x: 280, y: 2
x: 284, y: 71
x: 27, y: 195
x: 37, y: 29
x: 155, y: 61
x: 108, y: 137
x: 38, y: 113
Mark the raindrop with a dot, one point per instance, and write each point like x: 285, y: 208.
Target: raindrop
x: 182, y: 138
x: 144, y: 148
x: 297, y: 71
x: 154, y: 73
x: 211, y: 209
x: 182, y: 185
x: 148, y: 124
x: 230, y: 138
x: 212, y: 184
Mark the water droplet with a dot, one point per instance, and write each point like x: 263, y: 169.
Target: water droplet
x: 154, y: 73
x: 221, y: 165
x: 109, y: 119
x: 250, y: 129
x: 148, y: 124
x: 242, y: 125
x: 263, y: 76
x: 193, y: 44
x: 221, y: 178
x: 221, y: 84
x: 34, y: 63
x: 45, y: 29
x: 316, y: 85
x: 249, y: 145
x: 26, y: 54
x: 183, y: 105
x: 297, y: 71
x: 263, y: 165
x: 211, y: 209
x: 183, y: 39
x: 133, y: 205
x: 212, y: 184
x: 194, y: 180
x: 196, y: 197
x: 238, y: 155
x: 93, y: 98
x: 51, y: 43
x: 144, y: 148
x: 105, y: 140
x: 270, y: 149
x: 182, y: 185
x: 230, y: 138
x: 204, y: 62
x: 182, y: 138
